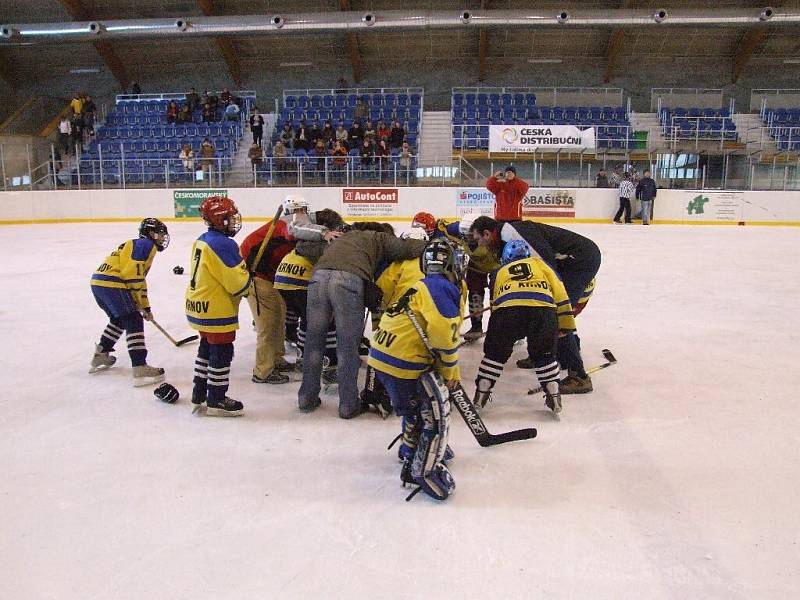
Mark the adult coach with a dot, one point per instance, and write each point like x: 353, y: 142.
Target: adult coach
x: 508, y: 190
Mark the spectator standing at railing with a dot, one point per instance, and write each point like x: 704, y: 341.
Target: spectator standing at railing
x: 406, y: 157
x: 184, y: 114
x: 187, y: 158
x: 396, y: 135
x: 256, y: 156
x: 646, y: 192
x: 601, y: 181
x: 192, y: 100
x: 172, y: 112
x: 89, y: 109
x: 509, y: 191
x: 383, y: 131
x: 64, y: 131
x: 279, y: 154
x: 257, y: 127
x: 626, y: 192
x: 77, y: 132
x: 76, y: 104
x: 209, y: 114
x: 341, y: 135
x: 355, y: 135
x: 382, y: 155
x: 208, y: 156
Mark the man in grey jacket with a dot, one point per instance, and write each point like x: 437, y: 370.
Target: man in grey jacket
x: 336, y: 290
x: 646, y: 193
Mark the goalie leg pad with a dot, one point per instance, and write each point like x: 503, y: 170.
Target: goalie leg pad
x: 428, y: 468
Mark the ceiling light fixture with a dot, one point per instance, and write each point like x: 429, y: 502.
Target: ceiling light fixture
x: 295, y: 64
x: 536, y: 61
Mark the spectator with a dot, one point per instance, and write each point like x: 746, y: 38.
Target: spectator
x: 232, y: 112
x: 76, y: 104
x: 257, y: 127
x: 328, y: 134
x: 279, y: 153
x: 314, y: 134
x: 382, y: 154
x: 341, y: 86
x: 256, y: 156
x: 184, y: 115
x: 302, y: 137
x: 210, y: 99
x: 321, y: 152
x: 383, y: 131
x: 626, y: 192
x: 208, y: 155
x: 226, y: 98
x: 342, y: 135
x: 192, y: 100
x: 89, y: 109
x: 355, y: 135
x: 366, y: 154
x: 616, y: 177
x: 172, y: 112
x: 77, y: 132
x: 396, y: 135
x: 509, y: 191
x: 405, y: 160
x: 339, y: 155
x: 601, y: 181
x: 646, y: 192
x: 209, y: 114
x: 136, y: 89
x: 369, y: 131
x: 187, y: 157
x: 287, y: 136
x: 64, y: 131
x: 361, y: 111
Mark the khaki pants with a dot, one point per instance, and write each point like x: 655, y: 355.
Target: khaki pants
x: 269, y: 314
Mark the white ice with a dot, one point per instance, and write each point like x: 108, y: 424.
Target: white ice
x: 676, y: 478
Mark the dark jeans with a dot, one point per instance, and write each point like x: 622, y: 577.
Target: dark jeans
x: 624, y: 205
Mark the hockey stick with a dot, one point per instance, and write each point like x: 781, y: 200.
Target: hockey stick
x: 608, y: 356
x: 191, y: 338
x: 267, y: 238
x: 465, y: 406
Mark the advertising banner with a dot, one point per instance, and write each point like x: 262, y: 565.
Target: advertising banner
x: 712, y: 206
x: 532, y: 138
x: 474, y: 200
x: 549, y: 203
x: 370, y: 202
x: 187, y: 202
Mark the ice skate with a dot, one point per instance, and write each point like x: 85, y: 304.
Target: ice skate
x: 525, y: 363
x: 227, y: 408
x: 101, y: 361
x: 475, y: 333
x: 147, y: 375
x: 199, y: 403
x: 552, y: 398
x: 481, y: 399
x: 572, y: 384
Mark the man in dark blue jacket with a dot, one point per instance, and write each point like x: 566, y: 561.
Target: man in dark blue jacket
x: 646, y: 193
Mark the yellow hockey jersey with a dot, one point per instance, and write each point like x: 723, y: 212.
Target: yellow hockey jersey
x: 531, y: 282
x: 397, y: 348
x: 481, y: 258
x: 219, y: 278
x: 397, y: 278
x: 127, y: 267
x: 293, y: 273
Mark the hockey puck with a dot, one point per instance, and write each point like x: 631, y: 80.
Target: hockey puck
x: 178, y: 270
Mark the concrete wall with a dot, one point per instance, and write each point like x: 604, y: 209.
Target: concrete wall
x: 392, y: 204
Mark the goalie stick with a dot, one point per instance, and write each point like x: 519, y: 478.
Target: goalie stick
x: 606, y: 354
x: 185, y: 340
x: 466, y: 408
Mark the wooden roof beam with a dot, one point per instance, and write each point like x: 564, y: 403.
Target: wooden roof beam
x: 353, y: 47
x: 483, y: 43
x: 744, y: 50
x: 224, y: 44
x: 615, y: 44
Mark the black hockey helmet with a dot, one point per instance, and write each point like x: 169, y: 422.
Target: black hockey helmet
x: 153, y: 229
x: 438, y: 258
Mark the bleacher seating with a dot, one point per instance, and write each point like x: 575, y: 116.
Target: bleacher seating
x: 784, y: 126
x: 697, y: 123
x: 472, y: 113
x: 137, y: 140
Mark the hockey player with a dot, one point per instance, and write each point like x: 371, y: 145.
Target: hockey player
x: 426, y: 221
x: 219, y: 279
x: 575, y: 258
x: 528, y: 300
x: 417, y: 382
x: 120, y: 289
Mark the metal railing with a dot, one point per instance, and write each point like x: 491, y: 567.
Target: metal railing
x: 180, y: 95
x: 337, y: 91
x: 556, y: 96
x: 687, y: 97
x: 763, y: 99
x: 675, y: 133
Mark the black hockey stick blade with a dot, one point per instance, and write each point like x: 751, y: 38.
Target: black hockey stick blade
x: 608, y: 356
x: 191, y: 338
x: 476, y: 425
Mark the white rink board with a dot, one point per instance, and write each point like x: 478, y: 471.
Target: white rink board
x: 591, y: 205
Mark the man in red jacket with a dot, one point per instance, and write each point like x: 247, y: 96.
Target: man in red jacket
x: 508, y: 190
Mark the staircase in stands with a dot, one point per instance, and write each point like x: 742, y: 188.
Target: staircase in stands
x: 436, y: 140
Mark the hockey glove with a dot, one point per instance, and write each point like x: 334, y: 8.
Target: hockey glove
x: 147, y: 314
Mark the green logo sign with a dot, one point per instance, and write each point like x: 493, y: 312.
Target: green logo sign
x: 187, y: 202
x: 696, y: 205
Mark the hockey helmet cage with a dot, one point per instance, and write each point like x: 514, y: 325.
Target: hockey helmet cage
x: 153, y: 229
x: 293, y: 203
x: 438, y: 258
x: 415, y: 233
x: 220, y: 213
x: 515, y: 250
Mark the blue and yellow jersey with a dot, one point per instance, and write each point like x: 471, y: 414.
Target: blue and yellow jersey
x: 481, y: 258
x: 219, y: 278
x: 531, y: 282
x: 397, y: 348
x: 587, y: 293
x: 397, y: 278
x: 293, y: 273
x: 126, y: 267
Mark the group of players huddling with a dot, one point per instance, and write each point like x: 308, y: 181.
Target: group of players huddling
x: 328, y: 273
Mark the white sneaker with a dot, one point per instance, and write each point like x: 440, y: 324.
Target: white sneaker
x: 147, y: 375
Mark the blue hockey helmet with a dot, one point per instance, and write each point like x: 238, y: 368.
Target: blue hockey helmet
x: 515, y: 250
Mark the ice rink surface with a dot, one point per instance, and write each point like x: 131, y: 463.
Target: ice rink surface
x: 676, y: 478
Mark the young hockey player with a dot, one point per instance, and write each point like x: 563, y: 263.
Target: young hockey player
x: 575, y: 258
x: 418, y: 383
x: 219, y: 279
x: 425, y: 220
x: 120, y: 289
x: 528, y: 300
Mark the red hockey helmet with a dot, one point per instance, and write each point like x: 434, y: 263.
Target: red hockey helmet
x: 220, y: 213
x: 425, y: 220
